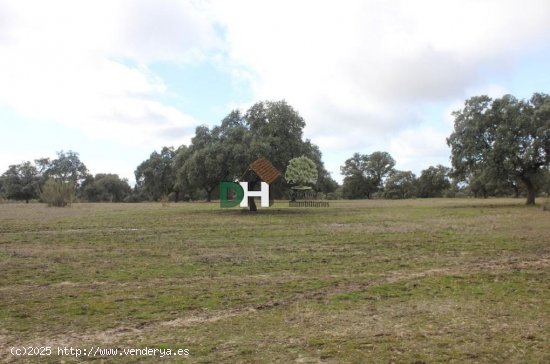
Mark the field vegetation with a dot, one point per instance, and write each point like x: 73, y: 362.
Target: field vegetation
x: 407, y: 281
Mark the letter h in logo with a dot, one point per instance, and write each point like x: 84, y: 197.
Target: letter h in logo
x: 242, y: 193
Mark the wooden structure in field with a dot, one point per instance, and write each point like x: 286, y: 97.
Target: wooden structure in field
x: 261, y: 170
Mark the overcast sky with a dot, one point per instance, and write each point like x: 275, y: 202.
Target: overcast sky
x: 115, y: 80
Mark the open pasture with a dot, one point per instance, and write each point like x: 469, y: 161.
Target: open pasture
x: 439, y: 280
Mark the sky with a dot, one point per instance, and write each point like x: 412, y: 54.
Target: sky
x: 116, y: 80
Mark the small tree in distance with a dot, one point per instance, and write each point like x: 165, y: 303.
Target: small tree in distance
x: 365, y: 173
x: 400, y: 184
x: 301, y: 171
x: 433, y: 181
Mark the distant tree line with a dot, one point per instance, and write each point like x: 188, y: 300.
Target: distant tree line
x: 60, y: 181
x: 499, y: 147
x: 374, y: 175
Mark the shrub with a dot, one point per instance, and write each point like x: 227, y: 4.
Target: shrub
x: 57, y: 193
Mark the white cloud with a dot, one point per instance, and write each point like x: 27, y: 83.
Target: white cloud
x: 7, y: 158
x: 361, y: 71
x: 418, y: 148
x: 84, y: 64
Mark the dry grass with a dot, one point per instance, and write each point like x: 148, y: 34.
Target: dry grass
x: 362, y: 281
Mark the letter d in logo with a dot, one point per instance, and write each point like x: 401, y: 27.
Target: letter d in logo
x: 224, y: 189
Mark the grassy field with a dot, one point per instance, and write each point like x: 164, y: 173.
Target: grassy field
x: 369, y: 281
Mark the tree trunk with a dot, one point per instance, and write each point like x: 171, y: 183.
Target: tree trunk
x: 251, y: 202
x: 176, y: 196
x: 516, y: 191
x: 530, y: 196
x: 209, y: 195
x: 531, y: 193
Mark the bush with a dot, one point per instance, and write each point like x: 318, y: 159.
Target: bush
x: 57, y: 193
x: 137, y: 195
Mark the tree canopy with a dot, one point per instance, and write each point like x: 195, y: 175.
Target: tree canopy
x: 400, y: 184
x: 67, y: 167
x: 21, y: 182
x: 105, y: 188
x: 156, y: 175
x: 504, y: 140
x: 25, y: 181
x: 365, y: 173
x: 433, y: 181
x: 270, y: 129
x: 301, y: 171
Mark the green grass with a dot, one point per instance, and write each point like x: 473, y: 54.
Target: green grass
x: 409, y: 281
